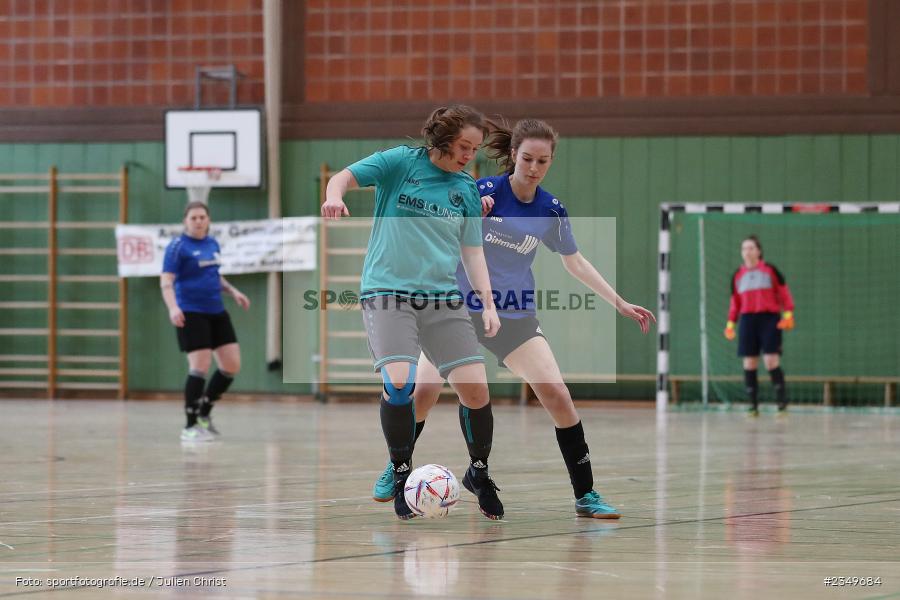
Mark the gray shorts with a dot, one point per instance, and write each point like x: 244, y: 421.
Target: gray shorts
x: 399, y: 328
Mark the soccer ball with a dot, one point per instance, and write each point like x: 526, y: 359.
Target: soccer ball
x: 431, y: 491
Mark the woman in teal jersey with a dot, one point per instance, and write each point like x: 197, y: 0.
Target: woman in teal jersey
x: 520, y: 210
x: 427, y: 221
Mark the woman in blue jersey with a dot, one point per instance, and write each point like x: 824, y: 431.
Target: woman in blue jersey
x: 192, y: 290
x: 520, y: 215
x: 427, y: 219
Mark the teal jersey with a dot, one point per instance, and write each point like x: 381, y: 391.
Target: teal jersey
x: 423, y: 215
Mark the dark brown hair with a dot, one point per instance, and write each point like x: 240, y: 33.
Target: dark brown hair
x: 504, y: 140
x: 445, y: 124
x: 755, y: 240
x: 192, y: 205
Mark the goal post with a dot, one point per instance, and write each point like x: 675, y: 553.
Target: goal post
x: 842, y: 263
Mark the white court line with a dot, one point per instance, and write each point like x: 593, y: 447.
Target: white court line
x: 561, y: 568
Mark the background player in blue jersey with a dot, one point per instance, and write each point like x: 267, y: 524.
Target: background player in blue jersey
x: 192, y: 290
x: 520, y: 214
x: 427, y: 219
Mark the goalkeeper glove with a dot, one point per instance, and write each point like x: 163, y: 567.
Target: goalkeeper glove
x: 729, y: 331
x: 787, y: 320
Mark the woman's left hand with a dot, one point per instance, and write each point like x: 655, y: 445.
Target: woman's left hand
x: 491, y: 321
x: 242, y: 300
x: 641, y: 315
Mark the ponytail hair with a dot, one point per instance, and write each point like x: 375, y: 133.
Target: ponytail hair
x: 503, y: 140
x: 445, y: 124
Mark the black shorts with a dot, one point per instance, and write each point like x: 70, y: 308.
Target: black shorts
x: 205, y: 330
x: 513, y: 333
x: 759, y: 332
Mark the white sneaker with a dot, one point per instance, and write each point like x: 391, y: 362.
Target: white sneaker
x: 207, y: 424
x: 196, y: 434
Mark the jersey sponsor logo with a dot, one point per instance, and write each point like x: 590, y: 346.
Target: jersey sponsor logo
x: 216, y: 260
x: 754, y: 280
x: 423, y: 207
x: 196, y: 253
x: 526, y: 246
x: 405, y: 200
x: 456, y: 198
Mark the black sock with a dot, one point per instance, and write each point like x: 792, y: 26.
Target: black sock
x: 398, y: 422
x: 777, y: 376
x: 193, y: 389
x: 751, y: 384
x: 478, y: 429
x: 218, y: 385
x: 578, y: 460
x: 420, y: 425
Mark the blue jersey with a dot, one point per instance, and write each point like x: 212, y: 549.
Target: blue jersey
x: 195, y: 264
x: 511, y: 233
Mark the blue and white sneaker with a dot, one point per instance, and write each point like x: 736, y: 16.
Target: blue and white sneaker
x: 383, y: 490
x: 593, y: 505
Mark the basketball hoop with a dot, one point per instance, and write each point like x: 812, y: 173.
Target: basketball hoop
x: 199, y: 180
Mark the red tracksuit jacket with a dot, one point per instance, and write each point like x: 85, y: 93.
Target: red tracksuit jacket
x: 758, y: 290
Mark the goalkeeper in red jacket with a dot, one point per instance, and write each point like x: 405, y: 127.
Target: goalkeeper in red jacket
x: 761, y: 298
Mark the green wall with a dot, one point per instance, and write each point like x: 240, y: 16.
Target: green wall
x: 625, y: 178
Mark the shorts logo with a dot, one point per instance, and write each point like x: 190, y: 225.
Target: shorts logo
x: 538, y: 330
x: 490, y: 184
x: 555, y: 201
x: 456, y: 198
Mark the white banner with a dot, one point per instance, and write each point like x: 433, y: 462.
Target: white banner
x: 287, y: 244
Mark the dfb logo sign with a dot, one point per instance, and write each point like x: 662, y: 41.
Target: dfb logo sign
x: 135, y: 249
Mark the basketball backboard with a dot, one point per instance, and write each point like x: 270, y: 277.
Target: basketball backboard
x: 225, y: 139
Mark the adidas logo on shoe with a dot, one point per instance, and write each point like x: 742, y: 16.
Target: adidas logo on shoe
x: 402, y: 468
x: 585, y: 459
x: 479, y: 465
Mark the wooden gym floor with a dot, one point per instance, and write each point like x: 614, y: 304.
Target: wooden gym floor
x: 714, y: 505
